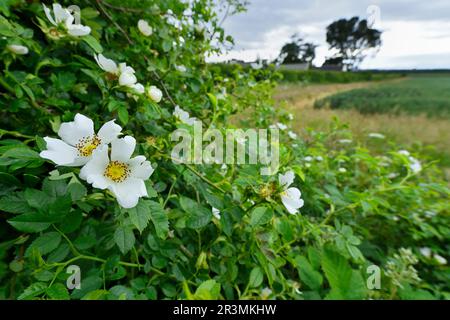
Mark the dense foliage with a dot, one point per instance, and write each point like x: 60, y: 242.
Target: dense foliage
x: 362, y: 208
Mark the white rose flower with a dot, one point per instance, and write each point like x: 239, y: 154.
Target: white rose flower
x: 376, y: 135
x: 291, y: 197
x: 292, y: 135
x: 308, y: 158
x: 17, y: 49
x: 281, y: 126
x: 78, y: 141
x: 415, y: 165
x: 106, y: 64
x: 181, y: 69
x: 122, y: 175
x: 426, y: 252
x: 183, y: 116
x: 216, y: 213
x: 440, y: 259
x: 63, y: 16
x: 127, y: 77
x: 319, y: 158
x: 404, y: 152
x: 144, y: 28
x: 154, y: 93
x: 342, y: 170
x: 139, y: 88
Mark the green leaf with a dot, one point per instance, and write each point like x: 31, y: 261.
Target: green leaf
x: 159, y: 218
x: 30, y: 222
x: 58, y: 291
x: 199, y: 216
x: 260, y: 216
x: 37, y: 198
x: 140, y: 215
x: 95, y: 295
x: 15, y: 203
x: 33, y: 291
x: 345, y: 283
x: 21, y: 153
x: 307, y: 274
x: 123, y: 115
x: 124, y: 238
x: 208, y: 290
x: 46, y: 243
x: 93, y: 43
x: 256, y: 277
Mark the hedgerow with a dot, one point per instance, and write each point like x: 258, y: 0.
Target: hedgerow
x: 196, y: 231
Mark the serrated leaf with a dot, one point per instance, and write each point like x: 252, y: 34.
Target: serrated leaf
x: 45, y: 243
x: 260, y: 216
x: 307, y: 274
x: 124, y: 238
x: 33, y: 291
x: 140, y: 215
x: 58, y: 292
x: 208, y: 290
x: 159, y: 219
x: 15, y: 203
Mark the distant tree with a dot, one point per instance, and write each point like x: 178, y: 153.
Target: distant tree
x: 353, y: 39
x: 298, y: 51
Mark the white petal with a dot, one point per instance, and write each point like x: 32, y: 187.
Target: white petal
x: 95, y: 166
x: 72, y: 132
x: 286, y: 179
x: 216, y: 213
x: 78, y: 30
x: 291, y: 200
x: 60, y: 13
x: 140, y: 168
x: 139, y: 88
x: 129, y: 192
x: 59, y: 152
x: 17, y: 49
x: 109, y: 131
x: 122, y: 149
x: 49, y: 15
x: 144, y: 28
x: 127, y: 79
x: 68, y: 21
x: 155, y: 94
x: 123, y: 68
x: 106, y: 64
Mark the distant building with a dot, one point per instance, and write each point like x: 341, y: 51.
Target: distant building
x: 333, y: 64
x: 296, y: 66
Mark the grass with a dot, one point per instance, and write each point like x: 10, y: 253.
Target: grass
x: 432, y: 135
x: 328, y: 77
x: 417, y: 95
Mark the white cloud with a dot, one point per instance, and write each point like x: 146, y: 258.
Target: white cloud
x: 415, y: 33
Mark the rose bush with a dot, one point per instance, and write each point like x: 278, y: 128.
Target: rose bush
x: 333, y: 211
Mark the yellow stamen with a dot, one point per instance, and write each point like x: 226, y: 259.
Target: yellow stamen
x: 87, y: 145
x: 117, y: 171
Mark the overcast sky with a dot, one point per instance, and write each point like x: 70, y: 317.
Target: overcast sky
x: 416, y: 33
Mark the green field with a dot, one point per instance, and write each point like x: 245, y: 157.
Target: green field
x: 418, y: 94
x: 328, y: 77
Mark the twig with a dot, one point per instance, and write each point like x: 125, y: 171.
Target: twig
x: 103, y: 10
